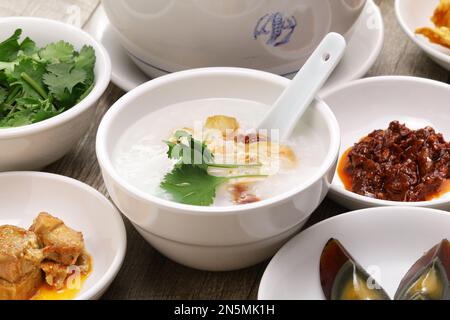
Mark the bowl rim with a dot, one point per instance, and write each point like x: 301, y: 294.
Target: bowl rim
x: 105, y: 161
x: 262, y: 290
x: 424, y: 46
x: 119, y: 253
x: 341, y: 192
x: 101, y: 82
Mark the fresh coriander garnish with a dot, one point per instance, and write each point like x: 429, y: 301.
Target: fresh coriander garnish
x: 189, y: 182
x: 40, y: 83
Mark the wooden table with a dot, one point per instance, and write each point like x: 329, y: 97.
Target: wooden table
x: 146, y: 274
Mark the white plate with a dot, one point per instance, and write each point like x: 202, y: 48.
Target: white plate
x: 413, y: 14
x: 362, y: 52
x: 365, y: 105
x: 372, y: 237
x: 23, y: 195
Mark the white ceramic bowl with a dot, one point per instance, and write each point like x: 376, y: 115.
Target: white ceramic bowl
x: 385, y: 241
x: 164, y: 36
x: 413, y: 14
x: 37, y: 145
x: 214, y: 238
x: 23, y: 195
x: 369, y: 104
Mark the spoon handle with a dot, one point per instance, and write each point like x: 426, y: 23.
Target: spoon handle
x: 294, y: 101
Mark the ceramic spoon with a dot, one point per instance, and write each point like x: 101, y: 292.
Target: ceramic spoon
x: 294, y: 101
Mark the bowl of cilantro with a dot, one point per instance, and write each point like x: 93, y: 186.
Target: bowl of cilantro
x: 51, y: 77
x: 147, y: 146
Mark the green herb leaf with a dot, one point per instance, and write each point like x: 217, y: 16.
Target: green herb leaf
x: 60, y: 51
x: 34, y: 71
x: 10, y: 47
x: 85, y: 60
x: 191, y: 151
x: 3, y: 95
x: 28, y: 47
x: 192, y: 185
x: 61, y: 80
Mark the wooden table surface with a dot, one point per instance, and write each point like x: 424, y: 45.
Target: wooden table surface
x: 146, y: 274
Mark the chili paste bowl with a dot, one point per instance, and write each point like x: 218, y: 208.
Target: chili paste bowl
x: 370, y: 104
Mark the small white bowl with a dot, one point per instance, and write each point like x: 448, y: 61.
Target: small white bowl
x: 365, y: 105
x: 385, y: 241
x: 413, y: 14
x: 34, y: 146
x: 214, y: 238
x: 23, y: 195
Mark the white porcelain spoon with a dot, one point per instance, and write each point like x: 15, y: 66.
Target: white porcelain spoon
x: 294, y: 101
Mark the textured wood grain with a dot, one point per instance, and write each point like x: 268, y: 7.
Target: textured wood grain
x: 148, y: 275
x: 75, y: 12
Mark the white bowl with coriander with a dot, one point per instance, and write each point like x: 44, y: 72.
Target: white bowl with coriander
x: 51, y: 77
x: 246, y: 195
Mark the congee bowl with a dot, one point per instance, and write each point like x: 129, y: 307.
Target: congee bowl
x: 164, y: 36
x: 34, y: 146
x: 370, y: 104
x: 216, y: 238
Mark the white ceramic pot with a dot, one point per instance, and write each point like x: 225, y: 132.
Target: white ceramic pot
x: 34, y: 146
x: 215, y: 238
x: 164, y: 36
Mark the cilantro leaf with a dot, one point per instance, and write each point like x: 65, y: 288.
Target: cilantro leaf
x: 60, y: 51
x: 191, y: 152
x: 10, y: 47
x: 32, y: 86
x: 28, y: 47
x: 85, y: 60
x: 61, y: 80
x: 3, y: 95
x: 192, y: 185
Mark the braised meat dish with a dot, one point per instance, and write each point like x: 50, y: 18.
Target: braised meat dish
x: 47, y: 253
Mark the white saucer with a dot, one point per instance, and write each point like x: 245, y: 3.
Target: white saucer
x: 385, y: 241
x: 363, y: 50
x: 413, y: 14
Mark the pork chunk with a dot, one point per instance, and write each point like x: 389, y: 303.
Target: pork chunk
x: 23, y: 289
x: 56, y: 273
x: 61, y: 244
x: 20, y: 253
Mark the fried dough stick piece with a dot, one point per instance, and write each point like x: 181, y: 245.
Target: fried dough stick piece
x: 441, y: 18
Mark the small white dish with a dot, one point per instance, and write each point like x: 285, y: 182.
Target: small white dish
x: 218, y: 238
x: 23, y: 195
x: 417, y: 102
x: 363, y: 50
x: 385, y: 241
x: 34, y: 146
x: 413, y: 14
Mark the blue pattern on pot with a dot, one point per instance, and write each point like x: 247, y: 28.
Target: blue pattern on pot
x: 278, y: 28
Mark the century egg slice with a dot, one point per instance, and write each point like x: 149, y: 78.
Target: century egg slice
x: 342, y: 278
x: 428, y: 278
